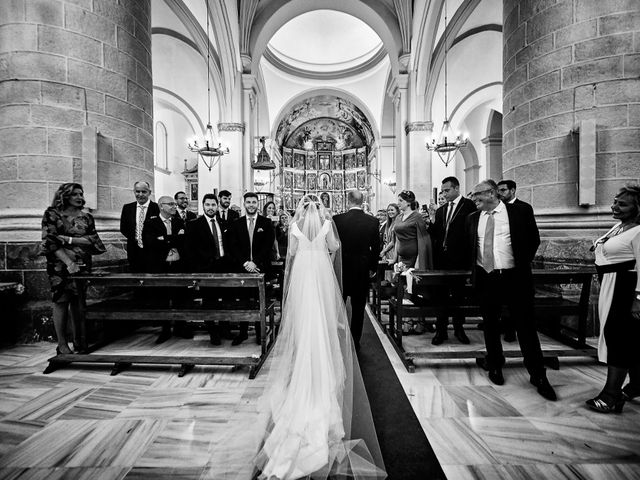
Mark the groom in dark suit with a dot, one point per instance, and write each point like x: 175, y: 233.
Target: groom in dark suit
x: 358, y: 234
x: 250, y: 239
x: 503, y: 241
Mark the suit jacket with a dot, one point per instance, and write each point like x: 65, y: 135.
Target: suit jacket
x: 360, y: 241
x: 525, y: 238
x: 242, y: 250
x: 190, y: 216
x: 232, y: 216
x: 454, y: 257
x: 128, y: 229
x: 200, y: 250
x: 157, y: 242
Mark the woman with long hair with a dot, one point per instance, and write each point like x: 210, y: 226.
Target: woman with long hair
x: 388, y: 252
x: 69, y: 239
x: 413, y: 243
x: 269, y: 211
x: 617, y: 262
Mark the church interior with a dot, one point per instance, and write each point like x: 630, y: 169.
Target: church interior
x: 286, y: 98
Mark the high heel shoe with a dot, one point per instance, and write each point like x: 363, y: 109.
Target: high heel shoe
x: 599, y: 405
x: 630, y: 392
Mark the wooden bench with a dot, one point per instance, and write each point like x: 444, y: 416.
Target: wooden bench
x: 544, y: 304
x: 130, y: 307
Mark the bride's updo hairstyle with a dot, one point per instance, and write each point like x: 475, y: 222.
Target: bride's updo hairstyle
x: 632, y: 190
x: 409, y: 196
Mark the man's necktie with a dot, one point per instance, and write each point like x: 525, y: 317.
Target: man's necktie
x: 450, y: 208
x: 449, y: 213
x: 224, y: 216
x: 251, y: 227
x: 139, y: 225
x: 487, y: 248
x: 183, y: 214
x: 216, y: 241
x: 167, y: 224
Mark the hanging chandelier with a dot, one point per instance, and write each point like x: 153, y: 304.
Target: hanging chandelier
x: 263, y: 160
x: 208, y: 151
x: 447, y: 144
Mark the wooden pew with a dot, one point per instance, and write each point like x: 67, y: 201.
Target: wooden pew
x: 378, y: 292
x: 544, y: 304
x: 161, y: 307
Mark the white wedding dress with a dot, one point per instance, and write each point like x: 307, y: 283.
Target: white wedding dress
x: 314, y: 384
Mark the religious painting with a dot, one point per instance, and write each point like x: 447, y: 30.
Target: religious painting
x: 361, y: 158
x: 338, y: 202
x: 297, y: 196
x: 325, y: 199
x: 338, y: 181
x: 193, y: 192
x: 298, y: 180
x: 350, y: 180
x: 312, y: 163
x: 324, y: 181
x: 349, y: 160
x: 287, y: 157
x: 288, y: 201
x: 288, y: 180
x: 324, y: 161
x: 311, y: 181
x: 337, y: 161
x: 362, y: 179
x: 298, y: 160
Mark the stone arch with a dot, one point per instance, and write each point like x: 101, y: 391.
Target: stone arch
x: 471, y: 168
x: 278, y: 12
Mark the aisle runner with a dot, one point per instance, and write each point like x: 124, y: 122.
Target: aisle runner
x: 405, y: 449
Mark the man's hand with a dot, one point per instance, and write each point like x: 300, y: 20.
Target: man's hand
x: 251, y: 267
x: 73, y: 267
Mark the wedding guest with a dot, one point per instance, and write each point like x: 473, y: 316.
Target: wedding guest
x: 269, y: 211
x: 236, y: 209
x: 250, y: 241
x: 69, y: 239
x: 205, y: 252
x: 225, y: 214
x: 382, y: 222
x: 502, y: 241
x: 182, y: 203
x: 282, y: 234
x: 617, y: 261
x: 413, y: 243
x: 132, y: 220
x: 163, y: 240
x: 451, y: 246
x: 388, y: 252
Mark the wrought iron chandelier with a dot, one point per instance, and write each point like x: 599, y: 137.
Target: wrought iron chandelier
x: 263, y: 160
x: 447, y: 144
x: 208, y: 152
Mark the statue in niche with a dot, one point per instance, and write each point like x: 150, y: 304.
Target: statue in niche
x: 324, y: 181
x: 325, y: 199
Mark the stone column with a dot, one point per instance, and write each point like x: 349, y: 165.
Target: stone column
x: 419, y: 159
x: 493, y: 156
x: 565, y: 62
x: 232, y: 165
x: 399, y: 91
x: 75, y: 105
x: 250, y: 118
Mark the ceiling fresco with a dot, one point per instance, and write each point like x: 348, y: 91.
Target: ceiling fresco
x: 325, y: 115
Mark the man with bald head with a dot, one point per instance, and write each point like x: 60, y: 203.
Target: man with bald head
x: 132, y: 221
x: 358, y: 234
x: 503, y: 240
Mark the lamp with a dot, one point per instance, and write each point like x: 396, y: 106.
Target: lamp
x: 208, y: 152
x: 447, y: 145
x: 263, y: 160
x: 389, y: 182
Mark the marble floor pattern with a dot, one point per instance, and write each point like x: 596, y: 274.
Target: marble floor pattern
x: 147, y: 423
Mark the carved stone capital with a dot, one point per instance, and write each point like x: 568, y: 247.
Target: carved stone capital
x: 492, y: 141
x: 418, y: 127
x: 231, y: 127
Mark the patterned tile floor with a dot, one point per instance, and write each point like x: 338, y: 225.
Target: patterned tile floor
x: 147, y: 423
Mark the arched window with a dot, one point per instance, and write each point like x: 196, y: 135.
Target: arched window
x: 161, y: 154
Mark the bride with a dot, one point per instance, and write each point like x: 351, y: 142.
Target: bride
x: 317, y: 419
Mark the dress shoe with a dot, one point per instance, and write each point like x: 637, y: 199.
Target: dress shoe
x: 630, y: 392
x: 238, y: 339
x: 510, y: 336
x: 496, y: 377
x: 214, y: 338
x: 163, y: 337
x: 461, y: 336
x: 600, y: 405
x: 183, y: 332
x: 480, y: 326
x: 482, y: 363
x: 544, y: 388
x: 439, y: 337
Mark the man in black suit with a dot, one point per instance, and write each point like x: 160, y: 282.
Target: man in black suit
x: 250, y: 240
x: 225, y: 215
x: 507, y: 194
x: 132, y: 221
x: 182, y: 209
x: 450, y: 245
x: 358, y: 234
x: 205, y: 250
x: 503, y: 239
x: 163, y: 240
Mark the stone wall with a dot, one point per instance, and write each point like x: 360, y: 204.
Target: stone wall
x: 67, y: 69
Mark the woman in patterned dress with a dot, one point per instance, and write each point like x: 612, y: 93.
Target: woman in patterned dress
x: 69, y: 238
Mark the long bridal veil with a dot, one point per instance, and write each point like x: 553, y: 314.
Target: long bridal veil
x: 313, y: 419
